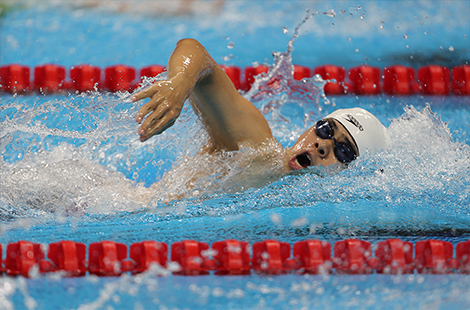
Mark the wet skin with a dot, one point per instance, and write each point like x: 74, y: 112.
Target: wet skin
x: 229, y: 119
x: 311, y: 150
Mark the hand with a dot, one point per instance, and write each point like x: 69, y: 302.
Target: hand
x: 167, y: 98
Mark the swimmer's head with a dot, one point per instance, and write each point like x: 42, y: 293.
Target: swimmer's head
x: 338, y: 138
x: 367, y: 131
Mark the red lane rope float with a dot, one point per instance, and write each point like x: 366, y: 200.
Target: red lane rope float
x: 364, y: 80
x: 119, y: 78
x: 332, y: 72
x: 15, y: 79
x: 360, y: 80
x: 49, y: 78
x: 145, y: 253
x: 434, y: 80
x: 394, y: 256
x: 233, y: 257
x: 399, y: 80
x: 353, y: 256
x: 85, y: 78
x: 461, y: 80
x: 271, y: 257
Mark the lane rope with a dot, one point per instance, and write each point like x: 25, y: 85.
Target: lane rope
x: 360, y: 80
x: 233, y: 257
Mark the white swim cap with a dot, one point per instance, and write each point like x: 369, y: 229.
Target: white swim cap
x: 366, y: 130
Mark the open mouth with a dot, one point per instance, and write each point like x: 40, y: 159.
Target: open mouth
x: 301, y: 161
x: 304, y: 159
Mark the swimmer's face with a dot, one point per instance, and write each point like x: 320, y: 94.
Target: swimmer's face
x: 312, y: 150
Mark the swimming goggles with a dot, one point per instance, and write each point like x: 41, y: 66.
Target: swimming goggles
x: 343, y: 152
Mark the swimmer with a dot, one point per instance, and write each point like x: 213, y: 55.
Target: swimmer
x: 232, y: 121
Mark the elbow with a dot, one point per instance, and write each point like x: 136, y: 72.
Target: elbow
x: 189, y: 43
x: 191, y: 48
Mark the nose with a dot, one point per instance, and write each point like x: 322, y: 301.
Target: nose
x: 324, y: 148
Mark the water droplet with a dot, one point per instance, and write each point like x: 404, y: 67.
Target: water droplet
x: 451, y: 48
x: 405, y: 36
x: 330, y: 13
x: 299, y: 222
x: 342, y: 12
x: 276, y: 219
x: 284, y: 30
x: 230, y: 45
x: 356, y: 50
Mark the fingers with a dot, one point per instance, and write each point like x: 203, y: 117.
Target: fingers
x: 148, y: 92
x: 150, y: 106
x: 157, y: 114
x: 157, y: 128
x: 157, y: 122
x: 156, y: 92
x: 160, y: 112
x: 146, y: 109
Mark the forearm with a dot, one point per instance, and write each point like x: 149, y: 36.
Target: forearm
x: 229, y: 118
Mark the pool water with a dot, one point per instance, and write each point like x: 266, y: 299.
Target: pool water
x: 72, y: 167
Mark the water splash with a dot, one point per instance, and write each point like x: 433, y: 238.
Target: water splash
x: 75, y: 155
x: 283, y: 100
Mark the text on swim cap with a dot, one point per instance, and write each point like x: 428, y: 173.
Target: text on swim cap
x: 354, y: 121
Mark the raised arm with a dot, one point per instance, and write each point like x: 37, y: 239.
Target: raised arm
x: 229, y: 118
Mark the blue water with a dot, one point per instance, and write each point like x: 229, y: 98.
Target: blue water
x: 71, y: 164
